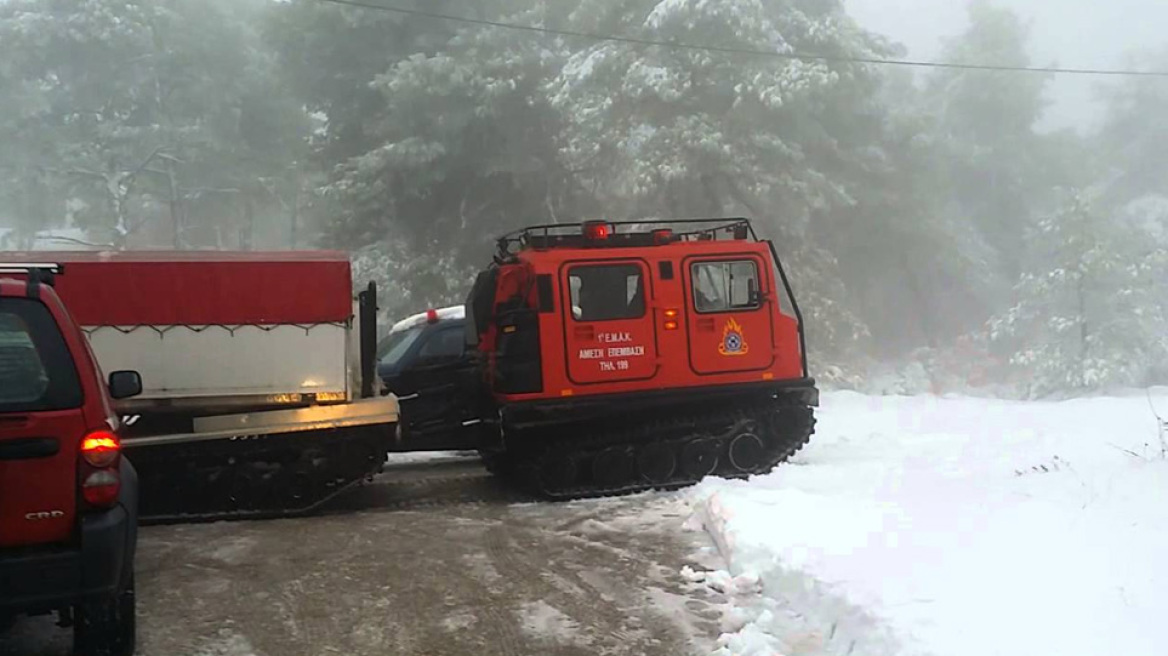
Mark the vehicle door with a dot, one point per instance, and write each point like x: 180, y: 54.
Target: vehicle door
x: 42, y: 424
x: 729, y: 323
x: 437, y: 386
x: 609, y: 333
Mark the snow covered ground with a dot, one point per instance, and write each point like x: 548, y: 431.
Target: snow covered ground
x: 429, y: 457
x: 951, y: 527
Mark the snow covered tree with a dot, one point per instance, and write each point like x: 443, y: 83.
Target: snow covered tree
x: 659, y: 131
x: 1135, y: 132
x: 1132, y: 143
x: 918, y: 277
x: 987, y: 120
x: 457, y: 147
x: 149, y: 129
x: 1090, y: 308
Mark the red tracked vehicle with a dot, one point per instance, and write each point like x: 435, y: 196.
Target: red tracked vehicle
x: 629, y: 356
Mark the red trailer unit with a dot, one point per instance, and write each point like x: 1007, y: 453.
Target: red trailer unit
x: 257, y: 370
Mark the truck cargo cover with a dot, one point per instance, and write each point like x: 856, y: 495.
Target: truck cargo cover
x: 197, y: 288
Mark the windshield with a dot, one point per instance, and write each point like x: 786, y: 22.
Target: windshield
x: 396, y: 345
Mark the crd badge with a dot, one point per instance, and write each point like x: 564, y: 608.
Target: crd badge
x: 47, y: 514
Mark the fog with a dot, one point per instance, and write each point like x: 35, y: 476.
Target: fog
x: 1068, y: 33
x: 944, y: 229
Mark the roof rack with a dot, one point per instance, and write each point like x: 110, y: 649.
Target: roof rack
x: 38, y: 273
x: 29, y: 267
x: 648, y: 232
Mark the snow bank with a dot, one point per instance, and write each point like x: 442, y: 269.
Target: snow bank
x: 951, y: 527
x: 429, y: 457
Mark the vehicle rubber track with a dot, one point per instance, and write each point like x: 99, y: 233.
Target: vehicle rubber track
x: 254, y: 477
x: 661, y: 453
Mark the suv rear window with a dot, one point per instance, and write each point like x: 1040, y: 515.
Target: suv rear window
x: 36, y: 368
x: 607, y: 292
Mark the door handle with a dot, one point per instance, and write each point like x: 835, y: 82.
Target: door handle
x: 584, y: 332
x: 706, y: 324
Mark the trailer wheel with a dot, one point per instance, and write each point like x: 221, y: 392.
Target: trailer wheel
x: 613, y: 467
x: 657, y: 462
x: 302, y: 488
x: 558, y: 471
x: 700, y: 458
x: 747, y: 452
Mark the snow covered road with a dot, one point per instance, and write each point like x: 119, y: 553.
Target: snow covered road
x: 434, y: 559
x: 950, y: 527
x: 909, y: 526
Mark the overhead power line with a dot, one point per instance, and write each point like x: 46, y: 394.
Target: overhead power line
x: 797, y: 56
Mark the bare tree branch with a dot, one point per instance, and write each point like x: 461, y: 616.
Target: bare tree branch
x: 547, y: 199
x: 195, y: 192
x: 142, y: 167
x: 86, y: 173
x: 73, y: 240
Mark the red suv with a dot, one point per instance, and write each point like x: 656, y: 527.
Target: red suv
x: 68, y: 499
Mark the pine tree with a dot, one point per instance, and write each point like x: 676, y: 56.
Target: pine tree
x: 457, y: 147
x: 1090, y: 306
x: 130, y: 121
x: 1134, y: 136
x: 986, y: 122
x: 676, y: 132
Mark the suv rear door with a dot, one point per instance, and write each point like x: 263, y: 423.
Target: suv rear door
x: 609, y: 331
x: 41, y: 426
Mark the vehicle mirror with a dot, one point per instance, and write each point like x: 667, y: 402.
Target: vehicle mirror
x: 125, y: 384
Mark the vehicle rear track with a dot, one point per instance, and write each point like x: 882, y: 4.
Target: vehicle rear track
x: 254, y: 478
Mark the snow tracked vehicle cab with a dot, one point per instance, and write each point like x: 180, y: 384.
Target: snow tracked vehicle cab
x: 630, y: 356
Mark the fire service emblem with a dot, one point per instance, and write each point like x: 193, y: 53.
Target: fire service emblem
x: 733, y: 341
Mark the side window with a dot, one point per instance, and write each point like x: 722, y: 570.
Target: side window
x: 607, y: 292
x: 725, y: 286
x: 36, y: 368
x: 394, y: 347
x: 443, y: 344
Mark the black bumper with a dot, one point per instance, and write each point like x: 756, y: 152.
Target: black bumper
x: 36, y: 580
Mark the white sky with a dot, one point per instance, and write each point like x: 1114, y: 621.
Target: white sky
x: 1072, y: 33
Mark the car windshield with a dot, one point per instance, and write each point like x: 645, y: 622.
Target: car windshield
x: 36, y: 370
x: 396, y: 345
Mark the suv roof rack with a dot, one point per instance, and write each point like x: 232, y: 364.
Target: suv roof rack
x: 38, y: 273
x: 27, y: 267
x: 645, y: 232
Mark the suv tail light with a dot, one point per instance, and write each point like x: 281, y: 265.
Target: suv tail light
x: 101, y: 488
x: 100, y: 449
x: 100, y: 481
